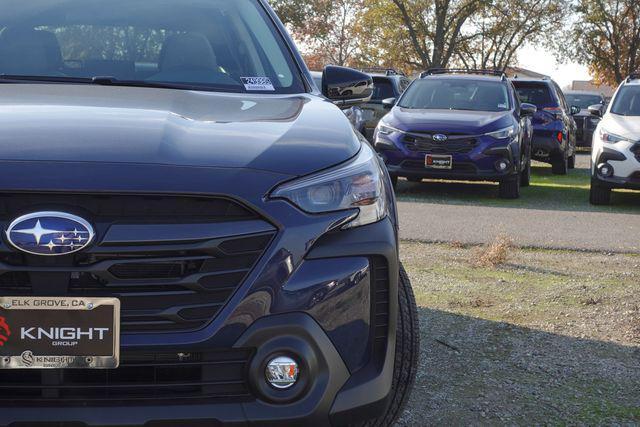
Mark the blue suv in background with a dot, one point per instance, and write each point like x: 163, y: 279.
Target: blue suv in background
x: 460, y: 125
x: 554, y: 128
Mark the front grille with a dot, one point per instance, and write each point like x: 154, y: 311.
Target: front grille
x: 163, y: 285
x: 141, y: 377
x: 456, y: 144
x: 458, y: 167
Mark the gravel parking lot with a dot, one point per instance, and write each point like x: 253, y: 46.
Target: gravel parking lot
x: 549, y: 338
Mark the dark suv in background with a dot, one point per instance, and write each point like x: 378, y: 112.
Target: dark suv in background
x: 554, y: 129
x: 387, y: 83
x: 586, y: 122
x: 192, y: 234
x: 460, y: 125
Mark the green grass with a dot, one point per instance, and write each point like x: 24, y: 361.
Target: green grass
x: 547, y: 191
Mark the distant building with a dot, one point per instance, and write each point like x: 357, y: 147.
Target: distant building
x: 589, y: 86
x: 523, y: 73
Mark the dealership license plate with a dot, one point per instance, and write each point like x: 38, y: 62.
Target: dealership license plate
x: 434, y: 161
x: 59, y: 333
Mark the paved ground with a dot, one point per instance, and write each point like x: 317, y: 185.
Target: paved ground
x: 547, y: 216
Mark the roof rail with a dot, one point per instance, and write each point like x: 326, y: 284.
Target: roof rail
x: 436, y: 71
x: 633, y: 76
x: 385, y: 71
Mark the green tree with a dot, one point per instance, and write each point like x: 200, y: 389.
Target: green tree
x: 606, y: 37
x: 505, y: 26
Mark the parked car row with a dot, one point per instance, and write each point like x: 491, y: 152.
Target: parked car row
x: 478, y: 125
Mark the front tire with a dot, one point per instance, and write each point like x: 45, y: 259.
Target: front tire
x: 510, y: 187
x: 599, y: 194
x: 407, y: 354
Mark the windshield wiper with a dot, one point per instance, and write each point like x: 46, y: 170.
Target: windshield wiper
x: 112, y: 81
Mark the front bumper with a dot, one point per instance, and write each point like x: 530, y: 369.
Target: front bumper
x: 476, y: 164
x: 309, y: 295
x: 624, y: 157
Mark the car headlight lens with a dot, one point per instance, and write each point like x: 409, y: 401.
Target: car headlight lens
x: 611, y: 138
x: 503, y: 133
x: 357, y: 185
x: 387, y: 130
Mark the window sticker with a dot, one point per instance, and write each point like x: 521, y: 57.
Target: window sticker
x: 258, y: 84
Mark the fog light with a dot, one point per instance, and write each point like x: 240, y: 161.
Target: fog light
x: 502, y: 165
x: 605, y: 170
x: 282, y: 372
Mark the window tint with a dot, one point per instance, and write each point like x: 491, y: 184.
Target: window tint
x: 584, y: 101
x: 383, y: 89
x: 457, y: 94
x: 627, y: 101
x: 538, y: 94
x: 216, y: 44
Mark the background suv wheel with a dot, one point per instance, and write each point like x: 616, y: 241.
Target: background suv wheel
x: 510, y: 187
x: 599, y: 194
x: 560, y: 165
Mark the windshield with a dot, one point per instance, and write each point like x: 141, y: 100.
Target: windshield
x: 627, y: 102
x: 210, y: 44
x: 456, y: 94
x: 583, y: 101
x: 538, y: 94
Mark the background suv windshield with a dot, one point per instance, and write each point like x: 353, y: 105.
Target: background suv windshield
x: 216, y: 44
x: 583, y: 101
x: 456, y: 94
x: 627, y: 102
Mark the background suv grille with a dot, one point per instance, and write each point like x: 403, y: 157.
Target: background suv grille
x: 425, y: 144
x: 172, y: 261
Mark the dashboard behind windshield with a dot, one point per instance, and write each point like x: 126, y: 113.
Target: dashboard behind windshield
x: 212, y: 44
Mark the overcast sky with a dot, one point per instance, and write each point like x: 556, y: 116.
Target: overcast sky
x: 543, y: 61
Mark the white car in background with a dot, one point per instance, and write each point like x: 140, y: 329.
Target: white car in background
x: 615, y: 158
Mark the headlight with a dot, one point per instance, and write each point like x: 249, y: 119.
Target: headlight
x: 387, y: 130
x: 357, y: 185
x: 503, y: 133
x: 611, y: 138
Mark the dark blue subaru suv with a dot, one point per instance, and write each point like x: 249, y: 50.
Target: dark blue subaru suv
x: 193, y: 235
x: 459, y: 125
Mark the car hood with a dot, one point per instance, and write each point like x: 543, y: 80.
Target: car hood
x: 472, y: 122
x: 289, y: 135
x: 625, y: 126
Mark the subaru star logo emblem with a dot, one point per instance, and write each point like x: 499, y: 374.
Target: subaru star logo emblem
x: 50, y: 233
x: 440, y: 137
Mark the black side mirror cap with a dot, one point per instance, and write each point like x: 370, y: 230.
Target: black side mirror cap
x: 528, y: 110
x: 345, y: 86
x: 575, y: 110
x: 389, y: 103
x: 597, y: 110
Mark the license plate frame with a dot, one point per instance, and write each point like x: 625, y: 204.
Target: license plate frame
x: 438, y: 161
x: 59, y: 333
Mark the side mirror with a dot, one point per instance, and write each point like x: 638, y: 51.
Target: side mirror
x: 345, y: 86
x: 528, y: 110
x: 389, y: 103
x: 575, y: 110
x: 597, y: 110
